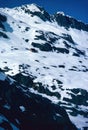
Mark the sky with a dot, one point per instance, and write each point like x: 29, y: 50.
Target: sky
x: 75, y: 8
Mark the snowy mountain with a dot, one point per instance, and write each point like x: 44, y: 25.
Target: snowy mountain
x: 48, y: 54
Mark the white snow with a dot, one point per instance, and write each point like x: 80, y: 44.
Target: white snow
x: 79, y: 121
x: 33, y: 8
x: 22, y: 108
x: 62, y: 13
x: 53, y: 98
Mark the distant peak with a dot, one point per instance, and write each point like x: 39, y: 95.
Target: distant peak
x: 69, y: 22
x: 62, y: 13
x: 31, y: 7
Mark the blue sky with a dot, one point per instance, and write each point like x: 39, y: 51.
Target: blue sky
x: 75, y: 8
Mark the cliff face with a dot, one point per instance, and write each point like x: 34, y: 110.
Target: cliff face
x: 69, y: 22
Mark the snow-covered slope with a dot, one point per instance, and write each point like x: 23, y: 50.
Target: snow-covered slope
x: 48, y: 54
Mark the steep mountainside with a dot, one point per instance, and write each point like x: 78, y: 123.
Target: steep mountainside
x: 21, y: 109
x: 49, y: 55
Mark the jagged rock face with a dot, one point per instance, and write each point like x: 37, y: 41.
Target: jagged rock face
x: 40, y: 12
x: 47, y: 55
x: 2, y: 18
x: 68, y: 22
x: 26, y: 110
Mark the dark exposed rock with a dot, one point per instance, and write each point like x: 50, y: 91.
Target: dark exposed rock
x: 39, y: 112
x: 3, y: 18
x: 78, y: 97
x: 25, y: 80
x: 67, y: 45
x: 61, y: 50
x: 27, y: 29
x: 40, y: 88
x: 3, y: 35
x: 45, y: 16
x: 6, y: 69
x: 33, y: 50
x: 26, y: 40
x: 47, y: 36
x: 61, y: 66
x: 78, y: 52
x: 68, y: 22
x: 42, y: 37
x: 61, y: 19
x: 48, y: 47
x: 68, y: 38
x: 41, y: 14
x: 42, y: 47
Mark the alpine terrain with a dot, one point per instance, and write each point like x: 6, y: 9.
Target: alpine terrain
x: 43, y: 70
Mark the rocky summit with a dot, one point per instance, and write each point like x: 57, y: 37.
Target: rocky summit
x: 44, y: 70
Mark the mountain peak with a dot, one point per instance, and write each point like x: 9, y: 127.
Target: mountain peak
x: 33, y: 10
x: 32, y: 7
x: 60, y: 12
x: 69, y: 22
x: 60, y: 18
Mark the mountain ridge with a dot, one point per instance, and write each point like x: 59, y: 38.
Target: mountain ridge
x: 66, y: 20
x: 49, y: 57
